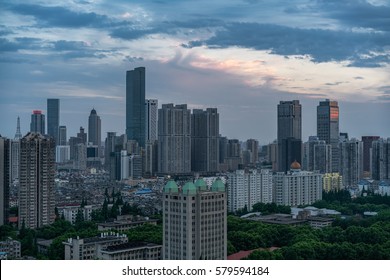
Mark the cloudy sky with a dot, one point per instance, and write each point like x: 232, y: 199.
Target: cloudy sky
x: 241, y: 56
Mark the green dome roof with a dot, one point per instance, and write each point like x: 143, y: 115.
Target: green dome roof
x: 201, y: 185
x: 218, y: 186
x: 189, y: 188
x: 171, y: 187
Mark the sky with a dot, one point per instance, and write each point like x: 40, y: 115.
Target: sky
x: 241, y: 56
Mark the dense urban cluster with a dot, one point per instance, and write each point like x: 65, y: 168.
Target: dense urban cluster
x: 164, y: 188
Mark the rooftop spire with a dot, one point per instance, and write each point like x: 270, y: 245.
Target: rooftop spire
x: 18, y: 135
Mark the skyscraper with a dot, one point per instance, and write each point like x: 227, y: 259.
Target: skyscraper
x: 82, y: 135
x: 94, y: 130
x: 37, y: 122
x: 61, y: 136
x: 194, y: 221
x: 53, y: 118
x: 4, y: 179
x: 204, y: 140
x: 289, y: 133
x: 151, y: 108
x: 15, y: 153
x: 135, y: 105
x: 328, y: 128
x: 37, y: 187
x: 174, y: 139
x: 367, y: 145
x: 380, y: 159
x: 252, y: 145
x: 351, y: 161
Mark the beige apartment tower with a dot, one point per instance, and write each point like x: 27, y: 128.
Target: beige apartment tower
x: 194, y: 221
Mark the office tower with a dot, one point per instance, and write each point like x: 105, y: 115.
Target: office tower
x: 328, y: 128
x: 380, y: 159
x: 174, y: 139
x: 351, y: 162
x: 297, y: 187
x: 135, y: 166
x: 135, y: 105
x: 151, y: 109
x: 94, y: 130
x: 367, y: 143
x: 233, y: 156
x: 124, y: 166
x: 150, y: 159
x: 53, y: 118
x: 343, y: 136
x: 252, y: 145
x: 332, y: 182
x: 82, y: 135
x: 204, y: 140
x: 289, y: 133
x: 37, y: 122
x: 308, y: 153
x: 73, y: 142
x: 61, y: 136
x: 246, y: 188
x: 15, y: 153
x: 109, y: 147
x: 194, y: 221
x: 223, y: 144
x: 5, y: 146
x: 272, y: 154
x: 37, y: 188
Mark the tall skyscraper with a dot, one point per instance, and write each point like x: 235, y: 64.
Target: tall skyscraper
x: 328, y: 128
x: 5, y: 145
x: 289, y: 133
x: 151, y: 109
x: 61, y: 136
x: 109, y: 148
x: 204, y: 140
x: 53, y: 118
x: 194, y: 221
x: 174, y: 139
x: 367, y: 144
x: 37, y: 187
x: 82, y: 135
x: 37, y: 122
x: 351, y: 161
x: 135, y: 105
x: 380, y: 159
x: 15, y: 153
x: 94, y: 130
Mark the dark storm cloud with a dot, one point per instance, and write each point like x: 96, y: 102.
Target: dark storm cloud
x: 321, y: 45
x: 59, y: 16
x: 357, y: 13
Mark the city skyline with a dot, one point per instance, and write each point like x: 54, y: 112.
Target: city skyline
x: 200, y: 57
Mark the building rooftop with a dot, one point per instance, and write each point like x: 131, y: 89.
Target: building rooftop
x: 130, y: 245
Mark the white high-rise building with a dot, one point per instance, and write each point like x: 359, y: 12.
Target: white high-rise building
x: 249, y: 188
x: 62, y: 154
x: 297, y: 187
x: 151, y: 108
x: 194, y: 221
x: 125, y: 160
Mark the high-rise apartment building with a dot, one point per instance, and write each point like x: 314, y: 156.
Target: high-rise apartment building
x: 135, y: 105
x: 204, y: 140
x: 61, y: 136
x: 151, y: 109
x: 109, y: 147
x: 367, y: 144
x: 351, y: 161
x: 94, y: 130
x: 53, y: 118
x: 37, y: 187
x: 194, y: 221
x: 37, y: 122
x: 252, y: 145
x: 289, y: 133
x: 380, y: 159
x: 332, y: 182
x: 328, y: 128
x: 15, y: 153
x: 297, y: 187
x: 246, y: 188
x: 174, y: 139
x: 5, y: 146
